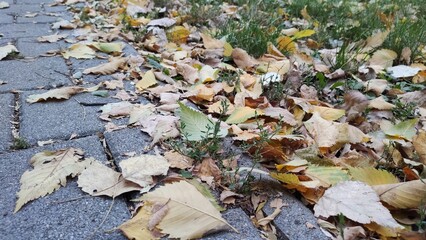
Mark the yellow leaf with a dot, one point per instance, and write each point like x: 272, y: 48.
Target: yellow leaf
x: 372, y: 176
x: 303, y: 33
x: 60, y: 93
x: 328, y: 175
x: 382, y: 59
x: 242, y: 114
x: 137, y: 227
x: 190, y: 214
x: 227, y: 51
x: 178, y: 34
x: 50, y: 172
x: 327, y: 113
x: 79, y: 51
x: 286, y: 178
x: 403, y: 195
x: 208, y: 74
x: 204, y: 92
x: 108, y: 47
x: 147, y: 81
x: 286, y: 44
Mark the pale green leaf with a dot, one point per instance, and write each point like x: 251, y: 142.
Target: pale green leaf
x: 405, y: 129
x: 329, y: 175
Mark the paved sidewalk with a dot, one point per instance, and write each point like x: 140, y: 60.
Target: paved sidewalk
x: 69, y: 213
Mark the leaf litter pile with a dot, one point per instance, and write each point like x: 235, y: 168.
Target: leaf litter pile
x: 341, y: 123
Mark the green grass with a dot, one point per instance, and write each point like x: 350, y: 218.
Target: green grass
x: 20, y: 143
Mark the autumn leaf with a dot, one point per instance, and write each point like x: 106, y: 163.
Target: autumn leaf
x: 6, y: 50
x: 303, y: 33
x: 196, y: 124
x: 140, y: 169
x: 242, y: 114
x: 382, y: 59
x: 137, y: 227
x: 178, y: 34
x: 286, y: 44
x: 50, y: 172
x: 190, y: 214
x: 344, y: 198
x: 79, y: 51
x: 405, y: 129
x: 147, y: 81
x: 116, y: 47
x: 52, y: 38
x: 419, y: 143
x: 403, y: 195
x: 100, y: 180
x: 327, y: 175
x: 372, y: 176
x: 107, y: 68
x: 60, y: 93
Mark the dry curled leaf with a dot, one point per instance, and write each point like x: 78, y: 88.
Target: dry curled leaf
x: 60, y: 93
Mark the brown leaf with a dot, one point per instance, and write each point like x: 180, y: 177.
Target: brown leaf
x: 107, y: 68
x: 243, y: 59
x: 207, y: 170
x: 419, y: 143
x: 60, y: 93
x: 178, y: 160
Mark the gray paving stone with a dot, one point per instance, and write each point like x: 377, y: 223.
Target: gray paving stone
x: 34, y: 1
x: 8, y: 1
x: 22, y: 9
x: 30, y: 47
x: 239, y: 220
x: 5, y: 41
x: 5, y: 18
x: 125, y: 141
x: 25, y: 30
x: 59, y: 119
x: 67, y: 213
x: 6, y: 115
x: 59, y: 8
x: 293, y: 218
x: 25, y: 75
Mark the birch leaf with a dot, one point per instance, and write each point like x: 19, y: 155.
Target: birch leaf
x: 137, y: 227
x: 328, y: 175
x: 403, y: 195
x: 50, y: 172
x: 405, y: 129
x: 190, y: 214
x: 242, y: 114
x: 344, y: 198
x: 60, y: 93
x: 197, y: 124
x: 100, y: 180
x: 372, y: 176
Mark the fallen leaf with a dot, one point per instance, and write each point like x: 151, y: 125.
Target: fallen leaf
x: 211, y: 43
x: 208, y: 74
x: 344, y: 198
x: 327, y: 175
x: 207, y: 171
x: 178, y: 34
x: 372, y: 176
x: 147, y: 81
x: 4, y: 4
x: 380, y: 104
x: 178, y: 160
x: 242, y: 114
x: 405, y: 129
x: 140, y: 169
x: 79, y: 51
x: 115, y: 47
x: 100, y: 180
x: 60, y: 93
x: 52, y: 38
x: 50, y: 172
x: 286, y: 44
x: 63, y: 24
x: 327, y: 113
x: 196, y: 124
x: 402, y: 71
x: 190, y: 214
x: 116, y: 109
x: 419, y: 143
x: 137, y: 227
x: 378, y: 86
x: 376, y: 40
x: 243, y: 59
x: 403, y: 195
x: 382, y: 59
x: 107, y: 68
x: 6, y: 50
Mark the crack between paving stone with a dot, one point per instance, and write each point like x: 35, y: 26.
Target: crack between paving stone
x: 15, y: 121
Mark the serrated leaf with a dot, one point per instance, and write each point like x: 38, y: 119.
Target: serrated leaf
x: 242, y: 114
x: 345, y: 198
x: 100, y: 180
x: 147, y: 81
x: 204, y: 189
x: 50, y: 172
x: 197, y: 124
x: 372, y: 176
x: 303, y: 33
x: 190, y: 214
x: 403, y: 195
x: 60, y: 93
x: 405, y: 129
x: 328, y: 175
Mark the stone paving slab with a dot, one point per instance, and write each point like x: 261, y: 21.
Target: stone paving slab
x: 6, y: 115
x: 21, y: 9
x: 31, y: 74
x: 293, y: 218
x: 59, y: 119
x: 30, y: 47
x: 56, y: 216
x: 41, y: 19
x: 5, y: 19
x: 25, y: 30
